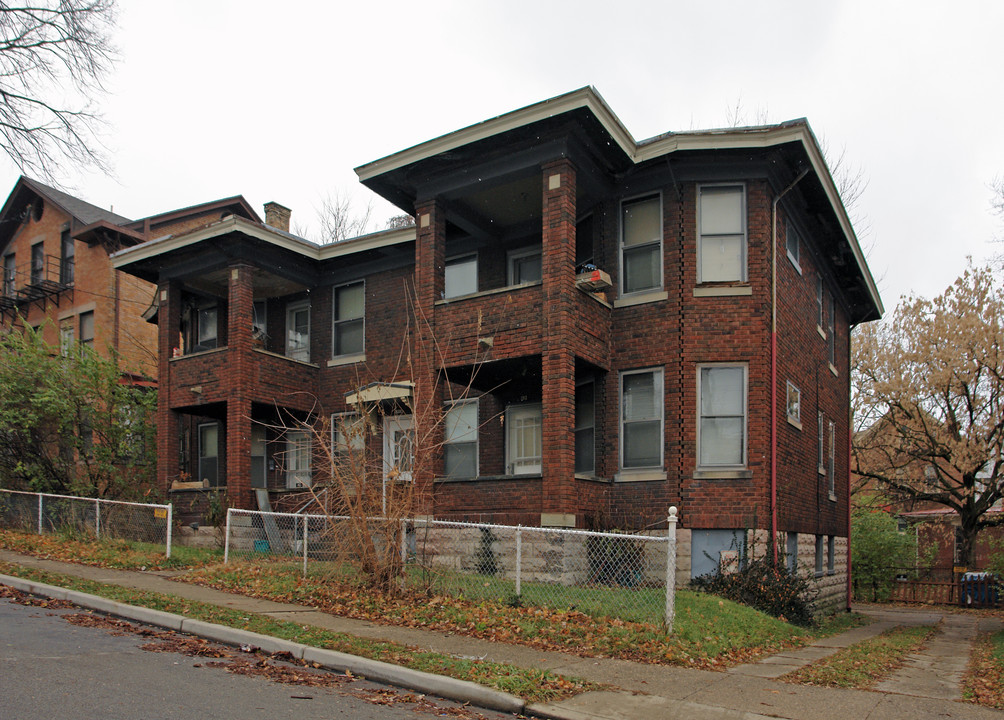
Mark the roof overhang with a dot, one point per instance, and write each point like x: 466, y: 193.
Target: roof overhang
x: 386, y: 176
x: 380, y: 392
x: 135, y: 257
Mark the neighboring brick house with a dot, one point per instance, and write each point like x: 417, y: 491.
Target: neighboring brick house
x: 56, y: 267
x: 592, y: 405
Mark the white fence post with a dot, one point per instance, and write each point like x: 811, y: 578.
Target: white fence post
x: 170, y: 523
x: 39, y: 514
x: 97, y: 519
x: 671, y: 568
x: 304, y: 545
x: 519, y: 560
x: 226, y: 539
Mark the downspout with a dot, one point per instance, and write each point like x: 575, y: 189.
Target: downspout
x: 773, y: 363
x: 850, y: 460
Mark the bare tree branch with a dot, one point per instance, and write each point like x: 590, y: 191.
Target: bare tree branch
x: 54, y: 57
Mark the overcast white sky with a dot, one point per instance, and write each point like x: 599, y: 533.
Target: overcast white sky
x: 281, y: 100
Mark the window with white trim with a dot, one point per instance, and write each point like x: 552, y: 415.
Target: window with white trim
x: 460, y: 441
x: 721, y: 432
x: 524, y: 439
x: 349, y: 324
x: 831, y: 471
x: 461, y: 276
x: 67, y: 251
x: 348, y: 437
x: 641, y: 244
x: 642, y: 405
x: 819, y: 302
x: 525, y: 266
x: 206, y: 320
x: 791, y: 244
x: 37, y: 263
x: 87, y: 329
x: 298, y: 331
x: 830, y: 326
x: 820, y: 443
x: 209, y: 451
x: 721, y: 243
x: 794, y: 404
x: 585, y: 427
x: 66, y: 338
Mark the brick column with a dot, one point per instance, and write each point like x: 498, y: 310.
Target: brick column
x: 430, y: 253
x: 168, y: 341
x: 558, y: 361
x: 238, y: 366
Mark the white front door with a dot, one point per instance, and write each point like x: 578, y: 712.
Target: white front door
x: 398, y: 447
x: 297, y: 459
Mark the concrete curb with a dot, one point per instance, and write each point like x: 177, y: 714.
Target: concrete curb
x: 446, y: 687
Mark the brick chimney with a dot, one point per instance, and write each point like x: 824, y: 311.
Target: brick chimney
x: 277, y: 216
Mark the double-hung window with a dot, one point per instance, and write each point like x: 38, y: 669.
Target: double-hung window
x: 791, y: 246
x: 298, y: 331
x: 641, y: 244
x: 37, y: 263
x: 585, y: 425
x: 349, y: 312
x: 461, y: 276
x: 525, y: 266
x: 66, y: 260
x: 831, y: 313
x: 820, y: 424
x: 9, y: 275
x: 642, y: 403
x: 524, y: 439
x: 831, y: 469
x: 87, y: 329
x: 207, y: 334
x: 721, y: 243
x: 348, y: 437
x: 794, y: 405
x: 460, y: 449
x: 721, y: 432
x: 66, y: 345
x: 819, y: 304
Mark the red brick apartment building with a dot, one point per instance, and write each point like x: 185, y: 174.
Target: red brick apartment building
x: 642, y: 324
x: 56, y: 267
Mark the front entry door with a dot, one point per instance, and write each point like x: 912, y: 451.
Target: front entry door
x: 398, y: 447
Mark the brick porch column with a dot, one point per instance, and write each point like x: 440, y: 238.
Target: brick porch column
x: 558, y: 361
x: 238, y: 366
x: 430, y: 279
x: 168, y: 339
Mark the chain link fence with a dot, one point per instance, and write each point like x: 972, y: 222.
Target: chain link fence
x: 630, y: 577
x: 91, y: 518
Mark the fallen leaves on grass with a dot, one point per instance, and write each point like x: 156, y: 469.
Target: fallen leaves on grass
x: 983, y: 683
x: 864, y: 664
x: 538, y: 627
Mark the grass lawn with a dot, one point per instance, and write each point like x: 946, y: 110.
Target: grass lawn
x: 866, y: 663
x: 709, y: 632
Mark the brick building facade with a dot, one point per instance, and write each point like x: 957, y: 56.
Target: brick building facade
x: 636, y: 324
x: 56, y: 257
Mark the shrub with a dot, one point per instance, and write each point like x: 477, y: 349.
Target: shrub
x: 762, y: 585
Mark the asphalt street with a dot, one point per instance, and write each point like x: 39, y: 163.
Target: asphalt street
x: 70, y: 663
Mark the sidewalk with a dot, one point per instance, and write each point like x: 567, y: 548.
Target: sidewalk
x: 926, y: 688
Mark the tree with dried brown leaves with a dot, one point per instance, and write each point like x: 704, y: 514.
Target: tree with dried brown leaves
x: 928, y: 388
x: 54, y: 57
